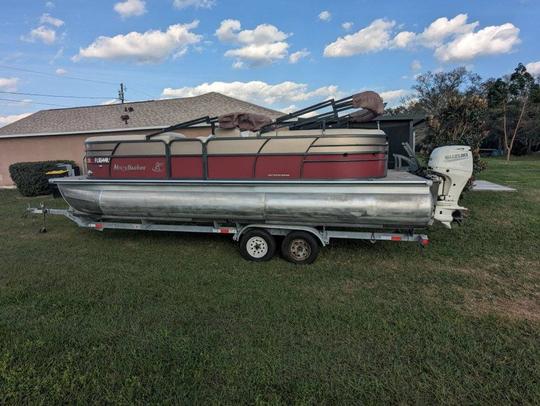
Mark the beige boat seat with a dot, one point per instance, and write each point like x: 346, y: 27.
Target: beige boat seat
x: 221, y: 132
x: 165, y: 137
x: 169, y: 137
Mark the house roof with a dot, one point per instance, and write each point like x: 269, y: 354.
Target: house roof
x: 152, y: 114
x: 416, y: 119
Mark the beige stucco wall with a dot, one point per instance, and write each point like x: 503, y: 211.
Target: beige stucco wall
x: 30, y: 149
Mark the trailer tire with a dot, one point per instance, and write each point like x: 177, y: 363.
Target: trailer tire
x: 300, y: 247
x: 257, y: 245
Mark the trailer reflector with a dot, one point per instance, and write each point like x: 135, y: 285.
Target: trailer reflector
x: 396, y: 238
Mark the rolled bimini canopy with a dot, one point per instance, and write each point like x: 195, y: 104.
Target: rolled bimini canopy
x: 243, y: 121
x: 371, y: 103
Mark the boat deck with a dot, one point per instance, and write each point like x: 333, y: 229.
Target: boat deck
x: 392, y: 177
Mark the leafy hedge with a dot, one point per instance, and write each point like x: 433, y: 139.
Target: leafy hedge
x: 30, y: 177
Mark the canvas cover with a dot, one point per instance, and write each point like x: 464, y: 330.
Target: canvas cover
x: 244, y: 121
x: 371, y: 103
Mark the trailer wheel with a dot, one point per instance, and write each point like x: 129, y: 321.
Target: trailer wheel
x: 300, y: 248
x: 257, y: 245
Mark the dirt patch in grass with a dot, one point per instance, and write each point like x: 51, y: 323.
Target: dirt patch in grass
x: 515, y: 295
x: 518, y: 308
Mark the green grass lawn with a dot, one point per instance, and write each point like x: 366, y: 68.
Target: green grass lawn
x: 140, y: 317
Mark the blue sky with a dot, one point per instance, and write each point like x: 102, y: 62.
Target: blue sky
x: 278, y: 53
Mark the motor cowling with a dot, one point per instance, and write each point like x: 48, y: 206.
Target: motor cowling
x: 453, y: 165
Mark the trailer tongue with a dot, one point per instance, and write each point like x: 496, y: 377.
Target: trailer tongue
x: 310, y: 183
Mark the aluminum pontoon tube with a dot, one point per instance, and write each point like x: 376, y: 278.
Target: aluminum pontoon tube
x: 399, y: 199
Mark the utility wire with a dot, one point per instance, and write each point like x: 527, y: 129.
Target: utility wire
x: 138, y: 90
x: 57, y: 76
x: 56, y: 95
x: 32, y: 102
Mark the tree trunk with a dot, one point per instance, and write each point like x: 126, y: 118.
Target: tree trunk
x: 504, y: 136
x: 516, y: 129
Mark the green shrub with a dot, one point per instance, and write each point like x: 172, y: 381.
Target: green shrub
x: 30, y: 177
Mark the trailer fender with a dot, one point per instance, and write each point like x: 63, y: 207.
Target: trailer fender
x: 281, y: 229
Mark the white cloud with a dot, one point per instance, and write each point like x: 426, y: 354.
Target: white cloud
x: 49, y: 4
x: 41, y: 33
x: 46, y: 32
x: 533, y: 68
x: 403, y: 39
x: 227, y: 30
x: 347, y: 26
x: 5, y: 120
x: 150, y: 46
x: 48, y: 19
x: 130, y: 8
x: 372, y: 38
x: 296, y: 56
x: 258, y: 55
x: 111, y: 101
x: 261, y: 46
x: 9, y: 84
x: 325, y: 15
x: 61, y: 71
x: 416, y: 65
x: 491, y: 40
x: 292, y: 108
x: 288, y: 109
x: 238, y: 65
x: 262, y: 34
x: 439, y: 30
x: 453, y: 39
x: 194, y: 3
x: 258, y: 91
x: 390, y: 96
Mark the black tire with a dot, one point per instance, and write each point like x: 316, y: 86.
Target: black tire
x: 300, y: 247
x: 257, y: 245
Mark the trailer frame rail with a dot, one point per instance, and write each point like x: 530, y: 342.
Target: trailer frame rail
x: 324, y: 235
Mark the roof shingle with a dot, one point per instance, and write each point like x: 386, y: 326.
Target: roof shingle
x: 145, y: 114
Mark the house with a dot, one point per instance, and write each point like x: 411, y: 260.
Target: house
x: 59, y: 134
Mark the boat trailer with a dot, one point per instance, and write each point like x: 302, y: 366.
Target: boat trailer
x: 301, y: 244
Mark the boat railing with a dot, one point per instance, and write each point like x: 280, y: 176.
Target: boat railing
x: 363, y: 107
x: 217, y: 152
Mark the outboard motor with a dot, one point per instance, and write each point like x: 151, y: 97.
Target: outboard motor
x: 452, y: 167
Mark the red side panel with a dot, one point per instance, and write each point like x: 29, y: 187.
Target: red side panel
x: 278, y: 167
x: 352, y: 166
x: 271, y: 167
x: 187, y: 167
x: 139, y: 167
x: 230, y: 167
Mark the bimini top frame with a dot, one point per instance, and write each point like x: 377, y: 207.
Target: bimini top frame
x: 366, y: 105
x: 186, y: 124
x: 369, y: 103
